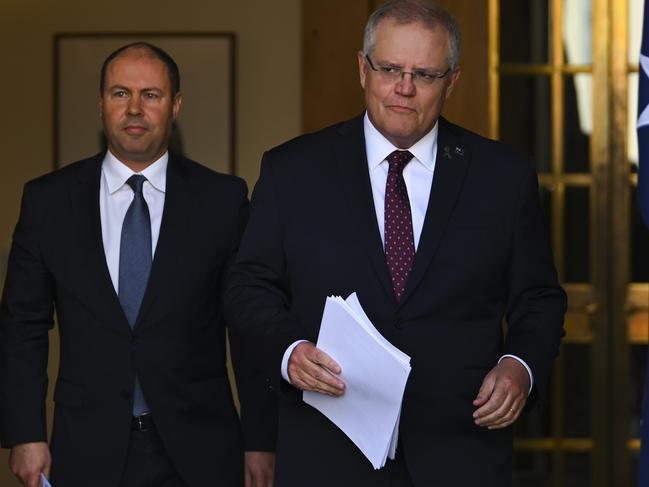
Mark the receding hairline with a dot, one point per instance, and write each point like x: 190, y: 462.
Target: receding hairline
x: 145, y: 50
x: 427, y: 13
x: 427, y: 25
x: 138, y: 52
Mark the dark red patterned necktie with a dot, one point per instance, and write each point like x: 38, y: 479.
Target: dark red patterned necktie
x: 399, y: 239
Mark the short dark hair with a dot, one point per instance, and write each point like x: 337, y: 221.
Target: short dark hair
x: 409, y: 11
x: 156, y: 52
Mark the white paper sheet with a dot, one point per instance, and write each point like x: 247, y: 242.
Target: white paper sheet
x: 44, y: 482
x: 375, y: 373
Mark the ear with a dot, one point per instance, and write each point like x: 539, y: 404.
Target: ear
x: 362, y: 67
x: 101, y: 106
x: 453, y: 77
x: 175, y: 108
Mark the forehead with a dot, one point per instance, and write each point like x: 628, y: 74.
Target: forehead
x: 136, y: 68
x: 414, y: 43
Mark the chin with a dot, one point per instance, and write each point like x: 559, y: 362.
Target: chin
x: 135, y: 149
x: 401, y: 135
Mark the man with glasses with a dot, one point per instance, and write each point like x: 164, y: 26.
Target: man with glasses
x: 439, y: 232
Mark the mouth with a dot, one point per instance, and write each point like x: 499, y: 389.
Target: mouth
x: 135, y: 129
x: 400, y: 109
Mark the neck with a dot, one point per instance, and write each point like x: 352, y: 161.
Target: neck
x: 136, y: 165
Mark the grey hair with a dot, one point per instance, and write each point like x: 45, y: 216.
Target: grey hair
x: 410, y: 11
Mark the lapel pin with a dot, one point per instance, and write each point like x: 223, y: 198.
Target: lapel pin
x: 459, y: 151
x: 446, y: 152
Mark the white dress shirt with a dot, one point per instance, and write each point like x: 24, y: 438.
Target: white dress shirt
x: 115, y: 197
x: 418, y: 176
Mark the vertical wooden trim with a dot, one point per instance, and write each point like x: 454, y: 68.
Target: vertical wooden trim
x: 558, y: 215
x: 557, y: 101
x: 494, y: 63
x: 619, y: 240
x: 332, y: 34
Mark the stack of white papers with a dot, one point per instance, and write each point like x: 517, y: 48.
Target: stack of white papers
x: 375, y: 373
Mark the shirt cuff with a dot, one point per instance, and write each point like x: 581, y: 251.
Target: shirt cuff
x: 287, y: 355
x: 529, y: 371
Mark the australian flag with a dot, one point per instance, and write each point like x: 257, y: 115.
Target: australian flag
x: 643, y: 123
x: 643, y: 199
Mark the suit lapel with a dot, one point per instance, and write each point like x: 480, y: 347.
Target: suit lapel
x: 451, y: 165
x: 174, y: 229
x: 352, y: 163
x: 95, y: 284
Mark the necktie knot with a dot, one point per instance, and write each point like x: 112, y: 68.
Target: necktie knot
x: 399, y: 159
x: 135, y: 182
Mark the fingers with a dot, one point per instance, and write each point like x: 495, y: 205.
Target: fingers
x: 28, y: 460
x: 321, y: 358
x: 29, y: 479
x: 311, y: 369
x: 486, y: 389
x: 502, y: 416
x: 501, y: 398
x: 507, y: 418
x: 259, y: 469
x: 247, y: 478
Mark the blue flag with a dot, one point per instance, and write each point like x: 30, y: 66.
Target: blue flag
x: 643, y: 200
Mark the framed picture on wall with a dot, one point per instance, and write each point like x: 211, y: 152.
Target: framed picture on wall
x: 205, y: 129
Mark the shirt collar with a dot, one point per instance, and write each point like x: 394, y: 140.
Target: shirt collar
x: 378, y: 148
x: 117, y: 173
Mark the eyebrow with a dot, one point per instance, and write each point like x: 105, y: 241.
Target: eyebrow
x: 129, y: 90
x: 415, y: 68
x: 122, y: 87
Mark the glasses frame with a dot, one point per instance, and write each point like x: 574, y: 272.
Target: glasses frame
x: 414, y: 75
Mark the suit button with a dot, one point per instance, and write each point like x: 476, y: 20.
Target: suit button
x: 399, y: 325
x: 134, y: 337
x: 124, y: 394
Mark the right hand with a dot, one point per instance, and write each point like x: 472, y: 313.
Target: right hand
x: 310, y: 369
x: 28, y: 460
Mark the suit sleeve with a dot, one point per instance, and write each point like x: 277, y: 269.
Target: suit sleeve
x: 257, y: 400
x: 258, y: 295
x: 536, y: 303
x: 26, y: 316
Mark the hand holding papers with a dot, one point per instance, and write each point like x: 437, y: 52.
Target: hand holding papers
x: 375, y: 373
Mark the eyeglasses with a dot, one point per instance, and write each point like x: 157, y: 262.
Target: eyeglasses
x: 395, y: 73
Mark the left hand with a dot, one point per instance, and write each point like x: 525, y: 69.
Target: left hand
x: 502, y: 395
x: 259, y: 468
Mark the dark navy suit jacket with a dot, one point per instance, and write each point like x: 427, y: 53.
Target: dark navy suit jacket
x: 177, y: 346
x: 483, y: 257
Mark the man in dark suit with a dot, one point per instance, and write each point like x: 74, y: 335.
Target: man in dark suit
x: 439, y: 232
x: 131, y: 248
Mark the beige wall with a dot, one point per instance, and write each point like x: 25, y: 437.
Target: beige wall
x: 270, y: 73
x: 269, y: 79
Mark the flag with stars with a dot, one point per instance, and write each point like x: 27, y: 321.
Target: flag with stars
x: 643, y: 200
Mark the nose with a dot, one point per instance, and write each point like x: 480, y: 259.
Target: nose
x: 405, y: 86
x: 134, y: 108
